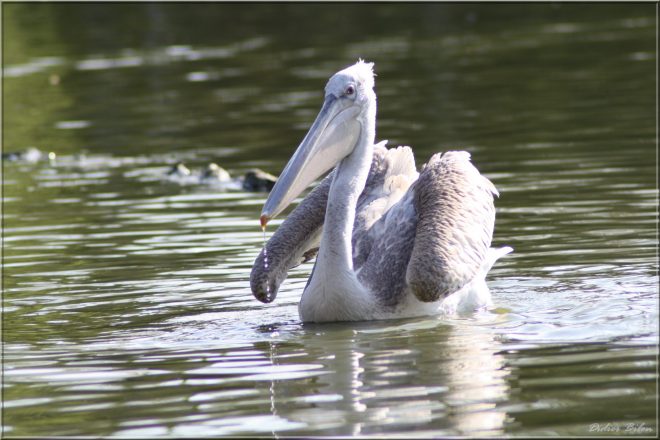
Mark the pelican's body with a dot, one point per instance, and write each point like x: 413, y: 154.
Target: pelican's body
x: 391, y: 242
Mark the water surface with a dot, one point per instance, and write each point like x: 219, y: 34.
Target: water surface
x: 126, y: 302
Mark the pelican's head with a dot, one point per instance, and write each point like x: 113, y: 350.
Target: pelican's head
x: 350, y: 102
x: 355, y: 83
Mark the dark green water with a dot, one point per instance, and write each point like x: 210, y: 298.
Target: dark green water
x: 126, y: 303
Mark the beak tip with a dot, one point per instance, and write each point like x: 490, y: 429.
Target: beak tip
x: 264, y: 221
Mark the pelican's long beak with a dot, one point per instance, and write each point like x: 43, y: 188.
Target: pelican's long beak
x: 332, y: 137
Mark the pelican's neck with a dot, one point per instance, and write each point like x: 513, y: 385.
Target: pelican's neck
x: 349, y: 181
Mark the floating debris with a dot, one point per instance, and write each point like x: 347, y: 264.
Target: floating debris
x: 29, y: 155
x: 215, y: 173
x: 258, y: 180
x: 179, y: 170
x: 254, y: 180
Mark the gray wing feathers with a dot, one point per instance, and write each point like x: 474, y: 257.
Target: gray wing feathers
x: 384, y: 268
x: 294, y: 242
x: 456, y: 217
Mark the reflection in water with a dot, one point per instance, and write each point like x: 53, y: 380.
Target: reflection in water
x: 478, y: 374
x: 126, y: 303
x: 399, y: 379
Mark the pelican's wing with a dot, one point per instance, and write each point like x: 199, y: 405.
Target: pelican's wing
x: 295, y: 241
x: 455, y: 221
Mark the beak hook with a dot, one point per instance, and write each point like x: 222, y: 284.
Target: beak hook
x: 264, y: 221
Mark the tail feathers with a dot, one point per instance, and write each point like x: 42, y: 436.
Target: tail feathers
x: 495, y: 254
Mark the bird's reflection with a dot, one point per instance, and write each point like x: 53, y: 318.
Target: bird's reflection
x: 405, y: 376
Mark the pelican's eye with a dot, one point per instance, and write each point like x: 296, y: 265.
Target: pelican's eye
x: 350, y: 91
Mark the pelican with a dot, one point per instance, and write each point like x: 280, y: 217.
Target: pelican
x: 390, y: 242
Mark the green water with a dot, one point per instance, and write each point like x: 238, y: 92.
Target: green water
x: 126, y: 303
